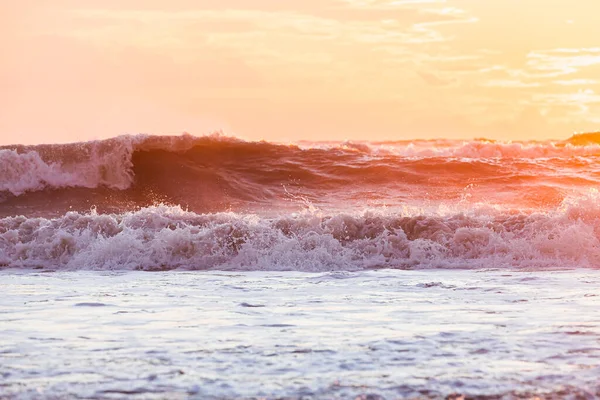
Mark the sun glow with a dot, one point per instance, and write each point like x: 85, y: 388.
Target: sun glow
x: 334, y: 69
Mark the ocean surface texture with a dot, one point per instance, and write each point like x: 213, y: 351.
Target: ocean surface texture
x: 159, y: 203
x: 409, y: 269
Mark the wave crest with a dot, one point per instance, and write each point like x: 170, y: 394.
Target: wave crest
x: 215, y: 173
x: 88, y: 165
x: 162, y: 237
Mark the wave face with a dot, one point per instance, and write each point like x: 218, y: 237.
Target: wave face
x: 119, y: 204
x: 89, y: 165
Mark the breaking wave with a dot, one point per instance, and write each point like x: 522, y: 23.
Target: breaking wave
x: 168, y: 237
x: 217, y: 173
x: 111, y: 163
x: 216, y: 202
x: 87, y: 164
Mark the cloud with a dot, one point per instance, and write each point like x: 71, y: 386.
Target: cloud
x: 388, y: 4
x: 558, y: 62
x: 511, y: 83
x: 577, y: 82
x: 401, y: 60
x: 580, y: 100
x: 274, y: 37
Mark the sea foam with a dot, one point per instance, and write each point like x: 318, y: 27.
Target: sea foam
x: 167, y: 237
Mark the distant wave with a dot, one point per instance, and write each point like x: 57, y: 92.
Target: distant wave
x: 584, y: 139
x: 162, y: 238
x: 215, y: 173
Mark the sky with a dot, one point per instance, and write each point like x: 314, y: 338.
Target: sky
x: 287, y: 70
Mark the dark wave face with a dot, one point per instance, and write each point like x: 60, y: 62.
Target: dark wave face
x: 309, y: 206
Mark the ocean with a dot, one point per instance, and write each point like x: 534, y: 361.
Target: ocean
x: 214, y: 268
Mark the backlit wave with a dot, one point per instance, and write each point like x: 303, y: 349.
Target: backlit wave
x: 218, y: 173
x: 164, y: 237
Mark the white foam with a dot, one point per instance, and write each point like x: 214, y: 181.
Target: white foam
x: 164, y: 237
x: 28, y: 171
x: 93, y: 164
x: 361, y: 335
x: 23, y: 172
x: 468, y: 149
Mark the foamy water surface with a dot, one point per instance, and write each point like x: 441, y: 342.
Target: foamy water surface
x: 388, y: 334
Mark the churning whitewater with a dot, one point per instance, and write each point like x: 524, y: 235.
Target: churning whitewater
x: 216, y: 202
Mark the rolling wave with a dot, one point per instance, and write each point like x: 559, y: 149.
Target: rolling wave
x: 110, y: 163
x: 216, y: 202
x: 218, y: 173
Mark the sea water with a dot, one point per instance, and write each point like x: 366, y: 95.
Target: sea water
x: 209, y: 268
x: 339, y: 335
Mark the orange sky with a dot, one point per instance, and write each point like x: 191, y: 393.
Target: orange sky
x: 299, y: 69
